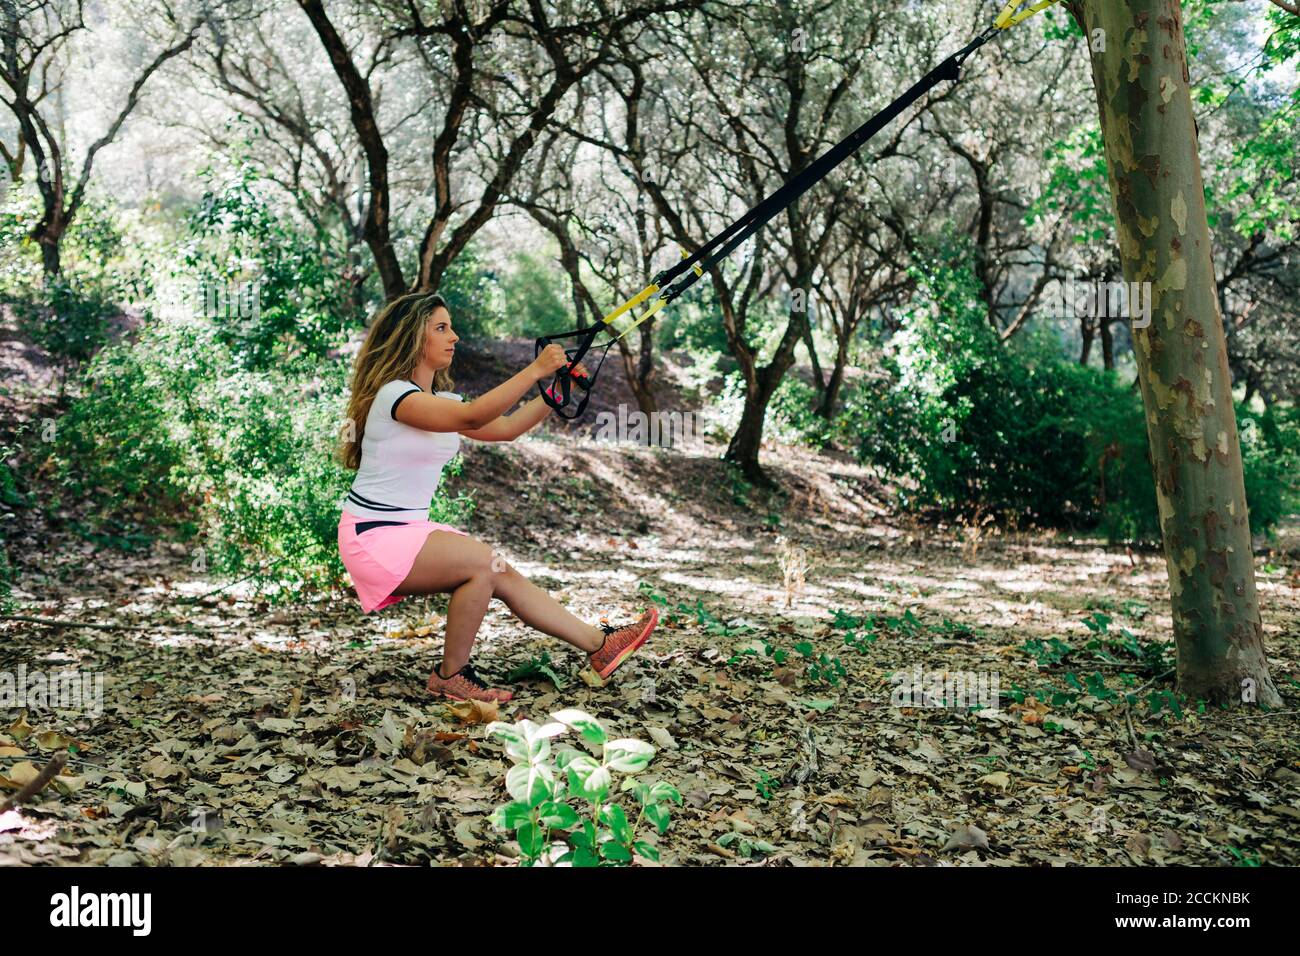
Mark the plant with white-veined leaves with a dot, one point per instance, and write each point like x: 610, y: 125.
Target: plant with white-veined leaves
x: 543, y: 785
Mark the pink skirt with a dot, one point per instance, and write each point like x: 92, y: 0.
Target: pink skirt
x: 379, y: 559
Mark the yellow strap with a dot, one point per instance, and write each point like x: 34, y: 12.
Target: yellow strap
x: 631, y: 303
x: 654, y: 307
x: 640, y: 297
x: 1009, y: 16
x: 699, y: 270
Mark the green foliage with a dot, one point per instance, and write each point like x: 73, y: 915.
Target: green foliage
x: 1270, y: 453
x: 20, y: 259
x: 739, y: 486
x: 1077, y: 186
x: 974, y: 426
x: 10, y: 500
x: 745, y: 846
x: 535, y: 298
x: 792, y: 414
x: 539, y: 666
x: 1122, y: 649
x: 67, y: 316
x: 272, y: 290
x: 710, y: 622
x: 472, y: 296
x: 545, y: 786
x: 979, y: 426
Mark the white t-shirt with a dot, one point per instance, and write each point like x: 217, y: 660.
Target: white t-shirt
x: 400, y: 464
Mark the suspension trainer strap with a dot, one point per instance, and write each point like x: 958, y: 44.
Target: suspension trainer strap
x: 669, y: 284
x: 709, y: 254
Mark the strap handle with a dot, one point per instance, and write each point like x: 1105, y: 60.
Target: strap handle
x: 559, y: 394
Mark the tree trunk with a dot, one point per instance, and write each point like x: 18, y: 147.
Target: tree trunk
x: 1141, y: 81
x: 364, y: 122
x: 1107, y: 342
x: 51, y: 255
x: 748, y: 438
x: 831, y: 394
x: 819, y: 378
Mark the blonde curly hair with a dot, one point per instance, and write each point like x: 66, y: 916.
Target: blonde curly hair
x: 392, y: 350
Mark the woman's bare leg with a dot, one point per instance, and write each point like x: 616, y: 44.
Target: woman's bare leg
x: 471, y: 572
x: 538, y: 609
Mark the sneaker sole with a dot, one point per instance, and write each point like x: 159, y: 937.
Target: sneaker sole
x: 627, y: 651
x: 448, y: 696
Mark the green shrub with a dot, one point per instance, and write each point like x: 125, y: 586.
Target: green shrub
x: 973, y: 424
x: 793, y: 417
x: 67, y: 317
x: 274, y: 291
x: 9, y: 499
x: 20, y: 258
x: 535, y: 299
x: 1270, y: 451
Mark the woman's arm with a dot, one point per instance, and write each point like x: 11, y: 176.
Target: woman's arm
x: 509, y: 427
x: 435, y: 414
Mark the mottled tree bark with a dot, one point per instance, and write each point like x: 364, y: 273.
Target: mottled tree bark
x: 1141, y: 80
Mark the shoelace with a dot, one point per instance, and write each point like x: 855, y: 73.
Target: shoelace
x: 470, y: 676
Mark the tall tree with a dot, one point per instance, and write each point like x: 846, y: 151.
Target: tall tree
x: 1141, y: 79
x: 34, y: 37
x: 504, y: 67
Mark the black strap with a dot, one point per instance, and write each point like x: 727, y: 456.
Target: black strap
x: 714, y: 251
x: 364, y: 526
x: 751, y: 221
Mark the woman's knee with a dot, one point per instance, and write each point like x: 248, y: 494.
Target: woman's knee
x: 505, y: 579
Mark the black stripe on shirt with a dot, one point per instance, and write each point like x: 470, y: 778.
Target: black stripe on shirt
x: 398, y: 400
x: 375, y: 506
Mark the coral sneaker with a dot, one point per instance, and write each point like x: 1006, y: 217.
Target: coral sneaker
x: 621, y: 642
x: 465, y: 685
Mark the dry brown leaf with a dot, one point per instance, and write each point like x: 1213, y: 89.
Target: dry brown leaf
x: 965, y: 837
x: 473, y: 711
x: 998, y: 780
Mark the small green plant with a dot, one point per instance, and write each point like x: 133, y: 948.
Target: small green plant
x: 776, y: 655
x: 822, y: 668
x: 1097, y: 622
x: 542, y: 787
x: 859, y: 631
x: 908, y: 624
x: 1136, y: 609
x: 745, y: 846
x: 539, y: 666
x: 765, y: 784
x: 711, y: 623
x: 1151, y: 655
x: 1047, y: 653
x: 1243, y: 857
x: 1159, y: 700
x: 844, y: 621
x: 648, y: 589
x: 739, y: 486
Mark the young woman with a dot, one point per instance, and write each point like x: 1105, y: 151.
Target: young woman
x: 407, y: 425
